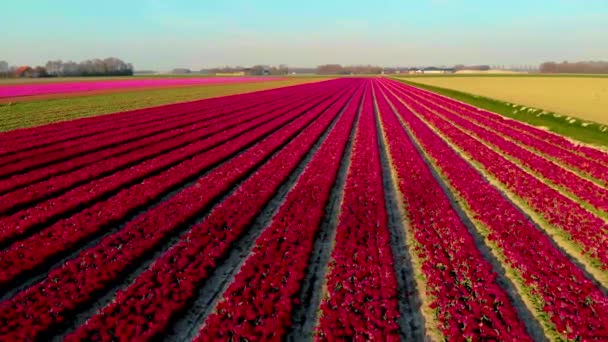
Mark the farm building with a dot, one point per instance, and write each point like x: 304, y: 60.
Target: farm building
x: 24, y: 71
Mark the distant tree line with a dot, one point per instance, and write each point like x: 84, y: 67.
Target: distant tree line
x: 256, y: 70
x: 459, y: 67
x: 92, y: 67
x: 337, y: 69
x: 590, y: 67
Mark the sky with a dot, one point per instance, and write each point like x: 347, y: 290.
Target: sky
x: 161, y: 35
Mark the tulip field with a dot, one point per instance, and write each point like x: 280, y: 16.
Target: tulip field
x: 357, y: 209
x: 20, y: 90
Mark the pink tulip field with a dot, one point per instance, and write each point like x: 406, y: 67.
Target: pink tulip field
x: 350, y: 209
x: 19, y: 90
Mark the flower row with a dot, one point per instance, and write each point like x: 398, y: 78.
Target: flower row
x: 191, y: 146
x: 259, y: 302
x: 66, y: 149
x: 137, y: 158
x: 44, y: 305
x: 581, y: 226
x: 465, y: 294
x: 29, y: 138
x: 361, y: 299
x: 15, y: 90
x: 181, y: 270
x: 35, y: 250
x: 564, y: 178
x: 567, y: 301
x: 586, y: 159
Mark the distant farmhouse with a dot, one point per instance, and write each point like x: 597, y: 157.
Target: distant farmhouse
x: 431, y: 70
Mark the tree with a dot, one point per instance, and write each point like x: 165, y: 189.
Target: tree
x: 259, y: 70
x: 181, y: 71
x: 4, y: 69
x: 54, y: 68
x: 589, y: 67
x: 40, y: 71
x: 110, y: 66
x: 330, y: 69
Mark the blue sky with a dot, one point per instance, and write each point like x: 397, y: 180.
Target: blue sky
x: 157, y: 34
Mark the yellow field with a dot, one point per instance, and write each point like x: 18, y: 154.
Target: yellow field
x: 582, y: 97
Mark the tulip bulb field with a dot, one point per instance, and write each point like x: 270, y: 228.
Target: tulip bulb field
x: 356, y: 209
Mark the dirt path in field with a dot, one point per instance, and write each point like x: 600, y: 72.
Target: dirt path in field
x: 411, y: 320
x: 305, y: 315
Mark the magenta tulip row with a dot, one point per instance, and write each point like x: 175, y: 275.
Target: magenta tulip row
x: 361, y: 299
x: 23, y: 221
x: 30, y: 157
x: 258, y: 303
x: 578, y: 157
x: 581, y: 187
x: 199, y: 138
x: 42, y: 306
x: 572, y: 302
x: 182, y: 269
x: 560, y: 211
x: 22, y: 140
x: 29, y: 253
x: 75, y: 87
x: 461, y: 285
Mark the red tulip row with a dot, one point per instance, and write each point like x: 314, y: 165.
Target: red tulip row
x: 180, y: 271
x: 585, y: 159
x: 116, y: 163
x: 465, y: 296
x: 564, y: 178
x: 62, y: 131
x: 563, y: 158
x: 25, y: 220
x: 37, y: 309
x: 36, y: 157
x: 35, y: 250
x: 138, y: 140
x: 361, y: 299
x: 567, y: 301
x: 259, y: 302
x: 581, y: 226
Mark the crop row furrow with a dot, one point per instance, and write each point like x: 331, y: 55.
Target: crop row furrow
x: 25, y: 139
x: 27, y: 254
x: 464, y: 296
x: 560, y: 211
x: 179, y: 272
x: 201, y: 133
x: 584, y: 159
x: 259, y: 302
x: 361, y: 298
x: 43, y: 156
x: 567, y: 309
x: 78, y: 280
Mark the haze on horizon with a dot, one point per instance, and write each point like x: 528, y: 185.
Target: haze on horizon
x: 161, y: 35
